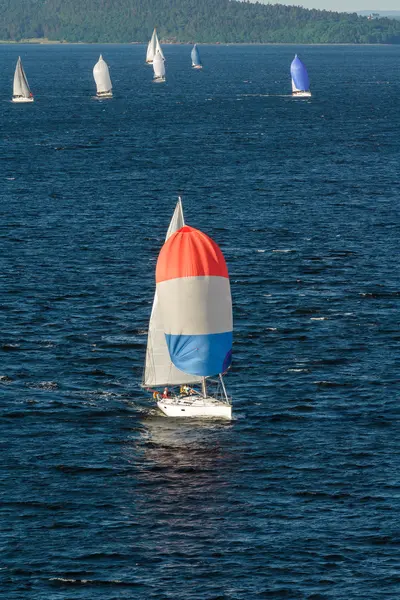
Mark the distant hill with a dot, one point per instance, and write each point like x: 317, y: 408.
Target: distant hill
x: 187, y: 20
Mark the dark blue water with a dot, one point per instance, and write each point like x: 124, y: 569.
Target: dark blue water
x: 298, y: 497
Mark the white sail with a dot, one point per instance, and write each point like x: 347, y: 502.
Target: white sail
x: 152, y: 47
x: 159, y: 370
x: 158, y: 66
x: 21, y: 86
x: 158, y: 49
x: 101, y: 76
x: 294, y: 88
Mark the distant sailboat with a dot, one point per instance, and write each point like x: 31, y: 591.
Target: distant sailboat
x: 300, y: 81
x: 21, y: 90
x: 190, y: 339
x: 159, y: 68
x: 101, y: 76
x: 196, y: 62
x: 152, y: 48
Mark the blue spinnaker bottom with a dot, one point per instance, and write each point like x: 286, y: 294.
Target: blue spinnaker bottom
x: 202, y: 355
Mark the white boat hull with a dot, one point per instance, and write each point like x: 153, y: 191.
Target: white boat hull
x: 102, y: 95
x: 159, y: 80
x: 20, y: 99
x: 301, y: 94
x: 197, y: 66
x: 195, y: 407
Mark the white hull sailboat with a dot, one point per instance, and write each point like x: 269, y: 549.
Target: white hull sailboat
x: 152, y: 48
x: 298, y: 94
x: 195, y: 407
x: 102, y: 79
x: 300, y: 81
x: 180, y: 361
x: 159, y: 68
x: 21, y: 90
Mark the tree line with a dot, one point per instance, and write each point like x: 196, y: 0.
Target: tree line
x: 203, y: 21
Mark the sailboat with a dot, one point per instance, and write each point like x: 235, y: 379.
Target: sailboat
x: 300, y: 81
x: 152, y: 48
x: 189, y: 345
x: 101, y: 76
x: 21, y: 90
x: 195, y: 56
x: 158, y: 68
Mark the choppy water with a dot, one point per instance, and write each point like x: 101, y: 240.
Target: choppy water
x: 298, y: 498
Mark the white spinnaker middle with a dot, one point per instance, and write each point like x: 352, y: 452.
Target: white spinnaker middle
x: 21, y: 86
x: 101, y: 76
x: 159, y: 370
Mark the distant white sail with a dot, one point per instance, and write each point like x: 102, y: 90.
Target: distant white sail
x: 159, y: 369
x: 195, y: 55
x: 159, y: 67
x: 152, y: 47
x: 21, y: 88
x: 101, y: 76
x: 158, y: 49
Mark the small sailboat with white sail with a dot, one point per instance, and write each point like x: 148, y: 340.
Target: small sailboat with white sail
x: 152, y: 48
x: 158, y: 68
x: 101, y: 76
x: 21, y: 90
x: 189, y: 345
x: 195, y: 56
x: 300, y: 81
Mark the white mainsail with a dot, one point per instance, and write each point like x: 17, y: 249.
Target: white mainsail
x: 21, y: 86
x: 101, y: 76
x: 158, y: 66
x: 158, y: 49
x: 159, y: 370
x: 151, y: 47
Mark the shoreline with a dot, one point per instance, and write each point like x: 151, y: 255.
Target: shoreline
x: 46, y: 42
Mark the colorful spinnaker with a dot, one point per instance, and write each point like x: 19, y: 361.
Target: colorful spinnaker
x: 194, y: 294
x: 159, y: 370
x: 298, y: 72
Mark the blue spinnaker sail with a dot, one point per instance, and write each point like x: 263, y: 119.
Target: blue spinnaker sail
x: 195, y: 56
x: 299, y: 74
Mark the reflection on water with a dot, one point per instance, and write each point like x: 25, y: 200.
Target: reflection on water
x: 183, y: 476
